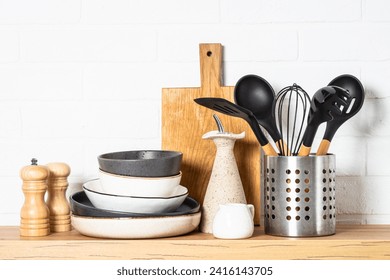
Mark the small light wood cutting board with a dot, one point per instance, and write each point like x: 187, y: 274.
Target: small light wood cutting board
x: 184, y: 122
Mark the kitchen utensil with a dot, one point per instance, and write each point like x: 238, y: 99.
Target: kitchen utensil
x: 327, y: 102
x: 234, y: 221
x: 229, y: 108
x: 300, y: 195
x: 143, y: 163
x: 356, y: 91
x: 257, y: 95
x: 138, y: 186
x: 136, y: 227
x: 291, y: 109
x: 184, y: 123
x: 82, y: 206
x: 133, y: 204
x: 225, y: 183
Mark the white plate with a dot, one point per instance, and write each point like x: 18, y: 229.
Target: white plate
x: 136, y: 227
x: 144, y: 205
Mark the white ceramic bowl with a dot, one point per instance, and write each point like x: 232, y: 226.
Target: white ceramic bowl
x: 144, y: 205
x: 139, y: 186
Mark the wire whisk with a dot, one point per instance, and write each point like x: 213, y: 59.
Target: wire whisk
x: 292, y: 107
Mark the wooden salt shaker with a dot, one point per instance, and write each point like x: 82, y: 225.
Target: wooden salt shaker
x: 34, y: 215
x: 56, y: 200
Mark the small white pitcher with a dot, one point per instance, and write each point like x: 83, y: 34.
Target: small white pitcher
x: 234, y: 221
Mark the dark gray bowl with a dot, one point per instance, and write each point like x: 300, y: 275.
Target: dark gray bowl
x: 143, y: 163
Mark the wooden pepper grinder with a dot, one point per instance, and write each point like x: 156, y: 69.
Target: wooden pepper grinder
x: 56, y: 199
x: 34, y: 213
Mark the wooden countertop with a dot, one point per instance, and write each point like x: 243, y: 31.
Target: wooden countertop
x: 350, y: 242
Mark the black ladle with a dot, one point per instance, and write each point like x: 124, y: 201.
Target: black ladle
x: 228, y: 108
x: 356, y: 92
x: 326, y: 104
x: 254, y: 93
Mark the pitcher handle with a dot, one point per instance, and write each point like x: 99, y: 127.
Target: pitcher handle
x: 251, y: 209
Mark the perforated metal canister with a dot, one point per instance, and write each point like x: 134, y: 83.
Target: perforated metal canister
x: 299, y: 195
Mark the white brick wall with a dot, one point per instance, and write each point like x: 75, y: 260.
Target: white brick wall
x: 88, y: 45
x: 263, y: 11
x: 83, y: 77
x: 9, y: 47
x: 40, y: 12
x: 150, y: 12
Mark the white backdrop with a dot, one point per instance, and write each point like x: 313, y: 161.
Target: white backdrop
x: 82, y: 77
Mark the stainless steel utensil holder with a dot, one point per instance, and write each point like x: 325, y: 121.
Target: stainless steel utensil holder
x: 299, y: 195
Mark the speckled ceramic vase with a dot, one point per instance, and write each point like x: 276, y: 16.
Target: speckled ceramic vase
x: 225, y: 184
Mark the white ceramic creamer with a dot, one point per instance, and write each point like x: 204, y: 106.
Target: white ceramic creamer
x: 234, y: 221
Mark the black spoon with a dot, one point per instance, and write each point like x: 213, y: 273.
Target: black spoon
x: 356, y: 92
x: 326, y: 104
x: 254, y: 93
x: 228, y: 108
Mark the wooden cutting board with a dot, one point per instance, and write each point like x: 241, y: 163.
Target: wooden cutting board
x: 184, y: 122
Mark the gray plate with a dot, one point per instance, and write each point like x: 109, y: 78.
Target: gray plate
x: 82, y: 206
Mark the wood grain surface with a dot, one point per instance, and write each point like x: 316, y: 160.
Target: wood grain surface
x: 184, y: 122
x: 351, y: 242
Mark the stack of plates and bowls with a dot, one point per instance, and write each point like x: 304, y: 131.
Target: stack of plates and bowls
x: 137, y: 195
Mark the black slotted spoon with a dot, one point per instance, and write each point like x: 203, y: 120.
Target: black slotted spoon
x: 356, y: 91
x: 326, y: 104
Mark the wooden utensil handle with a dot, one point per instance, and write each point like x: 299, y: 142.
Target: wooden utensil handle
x: 269, y: 150
x: 323, y: 148
x: 304, y: 151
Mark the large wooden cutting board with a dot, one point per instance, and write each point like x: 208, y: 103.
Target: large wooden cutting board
x: 184, y: 122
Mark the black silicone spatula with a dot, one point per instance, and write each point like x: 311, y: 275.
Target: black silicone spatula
x: 228, y: 108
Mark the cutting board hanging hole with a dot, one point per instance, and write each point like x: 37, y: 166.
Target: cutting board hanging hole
x: 209, y: 53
